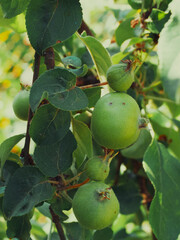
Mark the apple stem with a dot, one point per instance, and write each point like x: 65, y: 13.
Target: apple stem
x: 113, y: 156
x: 66, y: 196
x: 109, y: 157
x: 74, y: 178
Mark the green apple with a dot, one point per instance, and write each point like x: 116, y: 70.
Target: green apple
x: 95, y: 205
x: 115, y: 121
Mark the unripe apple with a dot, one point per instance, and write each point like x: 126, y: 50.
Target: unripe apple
x: 137, y: 150
x: 97, y: 168
x: 115, y: 121
x: 21, y: 104
x: 95, y: 205
x: 120, y: 77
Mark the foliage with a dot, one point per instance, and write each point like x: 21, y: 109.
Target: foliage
x: 48, y: 49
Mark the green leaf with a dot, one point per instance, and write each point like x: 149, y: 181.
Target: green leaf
x: 169, y: 54
x: 51, y: 82
x: 58, y: 86
x: 80, y: 72
x: 176, y: 122
x: 66, y: 46
x: 121, y: 235
x: 128, y: 195
x: 72, y: 61
x: 54, y: 236
x: 125, y: 31
x: 163, y: 171
x: 83, y: 137
x: 11, y: 8
x: 84, y: 117
x: 49, y: 125
x: 163, y: 124
x: 55, y: 158
x: 19, y: 227
x: 93, y: 95
x: 6, y: 147
x: 163, y: 4
x: 2, y: 190
x: 26, y: 188
x: 57, y: 20
x: 137, y: 4
x: 15, y: 158
x: 59, y: 205
x: 75, y: 232
x: 86, y: 57
x: 116, y: 58
x: 5, y: 22
x: 72, y: 100
x: 44, y: 209
x: 105, y: 234
x: 8, y: 170
x: 99, y: 55
x: 158, y: 20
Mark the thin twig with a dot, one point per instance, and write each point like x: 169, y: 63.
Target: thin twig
x: 56, y: 221
x: 74, y: 186
x: 25, y: 151
x: 93, y: 85
x: 84, y: 27
x: 74, y: 178
x: 66, y: 196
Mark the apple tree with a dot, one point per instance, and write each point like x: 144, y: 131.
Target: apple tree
x: 100, y: 155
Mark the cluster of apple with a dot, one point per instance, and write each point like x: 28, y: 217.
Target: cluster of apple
x: 116, y: 117
x: 95, y: 205
x: 115, y: 124
x: 116, y: 121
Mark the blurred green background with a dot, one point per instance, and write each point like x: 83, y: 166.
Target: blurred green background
x: 16, y: 63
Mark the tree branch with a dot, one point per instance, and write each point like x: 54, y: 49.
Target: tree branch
x: 56, y: 221
x: 25, y: 151
x: 50, y: 64
x: 84, y: 27
x: 49, y: 58
x: 93, y: 85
